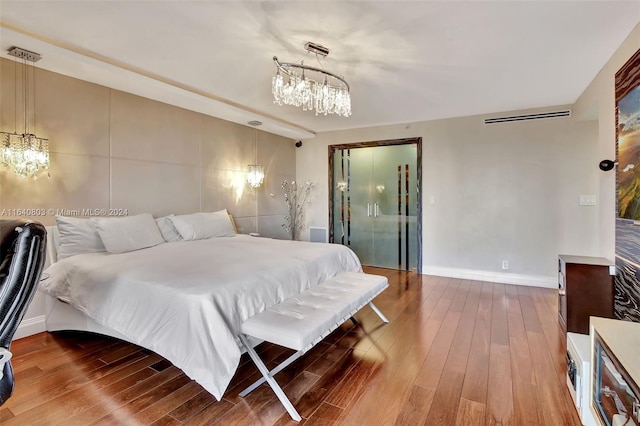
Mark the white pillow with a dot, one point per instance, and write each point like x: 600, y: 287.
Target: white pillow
x: 77, y: 236
x: 123, y: 234
x: 167, y: 229
x: 198, y: 226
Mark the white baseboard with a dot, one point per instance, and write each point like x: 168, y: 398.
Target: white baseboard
x: 29, y: 327
x: 494, y: 277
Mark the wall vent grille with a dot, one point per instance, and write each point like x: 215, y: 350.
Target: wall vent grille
x: 526, y: 117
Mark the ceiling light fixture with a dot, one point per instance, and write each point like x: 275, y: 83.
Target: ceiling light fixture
x: 26, y: 154
x: 255, y: 177
x: 328, y: 94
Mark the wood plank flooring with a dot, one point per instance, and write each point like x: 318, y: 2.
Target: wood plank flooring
x: 456, y: 352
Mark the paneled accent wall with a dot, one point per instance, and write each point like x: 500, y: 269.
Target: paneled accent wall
x: 111, y: 149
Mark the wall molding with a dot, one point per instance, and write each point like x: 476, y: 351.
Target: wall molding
x: 30, y: 326
x: 489, y: 276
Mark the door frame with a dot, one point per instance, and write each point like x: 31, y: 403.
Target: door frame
x: 405, y: 141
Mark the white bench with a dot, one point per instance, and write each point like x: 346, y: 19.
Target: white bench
x: 301, y: 321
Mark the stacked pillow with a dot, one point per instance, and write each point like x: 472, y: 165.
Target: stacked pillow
x: 199, y: 226
x: 124, y: 234
x: 77, y: 236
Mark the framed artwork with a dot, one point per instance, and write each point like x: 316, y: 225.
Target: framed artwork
x: 627, y: 280
x: 628, y: 138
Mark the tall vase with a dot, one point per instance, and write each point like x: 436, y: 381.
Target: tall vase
x: 295, y: 231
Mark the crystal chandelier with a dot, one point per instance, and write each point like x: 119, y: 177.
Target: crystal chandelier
x: 327, y: 94
x: 255, y: 177
x: 25, y: 154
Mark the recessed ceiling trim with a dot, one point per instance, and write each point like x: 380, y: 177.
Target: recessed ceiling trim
x: 152, y: 86
x: 526, y: 117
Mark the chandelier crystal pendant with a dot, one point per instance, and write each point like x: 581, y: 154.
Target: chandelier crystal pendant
x: 255, y: 176
x: 313, y: 89
x: 25, y: 154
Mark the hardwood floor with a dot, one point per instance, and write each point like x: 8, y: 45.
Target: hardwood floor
x: 456, y: 352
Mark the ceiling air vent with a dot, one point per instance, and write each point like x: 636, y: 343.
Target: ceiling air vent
x: 525, y: 117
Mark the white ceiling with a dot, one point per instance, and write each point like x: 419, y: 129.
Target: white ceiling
x: 405, y: 61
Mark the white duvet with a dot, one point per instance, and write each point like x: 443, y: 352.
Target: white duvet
x: 186, y: 300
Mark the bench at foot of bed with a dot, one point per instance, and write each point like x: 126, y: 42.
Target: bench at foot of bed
x: 302, y: 321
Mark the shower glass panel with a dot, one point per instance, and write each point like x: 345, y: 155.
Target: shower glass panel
x: 375, y: 204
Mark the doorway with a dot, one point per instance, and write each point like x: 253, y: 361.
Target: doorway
x: 375, y: 203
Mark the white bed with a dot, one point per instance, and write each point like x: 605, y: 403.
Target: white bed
x: 186, y: 300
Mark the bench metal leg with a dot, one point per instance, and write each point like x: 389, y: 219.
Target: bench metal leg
x: 284, y: 364
x: 380, y: 314
x: 270, y: 380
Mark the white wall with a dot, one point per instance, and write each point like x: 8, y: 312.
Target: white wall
x: 503, y: 192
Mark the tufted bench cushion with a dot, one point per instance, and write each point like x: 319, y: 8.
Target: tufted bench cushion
x: 303, y: 320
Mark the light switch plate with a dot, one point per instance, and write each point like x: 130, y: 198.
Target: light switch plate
x: 587, y: 200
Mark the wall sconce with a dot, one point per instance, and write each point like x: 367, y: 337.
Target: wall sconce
x: 341, y: 185
x: 380, y: 188
x: 606, y: 165
x: 255, y: 177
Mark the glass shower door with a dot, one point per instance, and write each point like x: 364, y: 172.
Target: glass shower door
x: 375, y: 204
x: 352, y: 199
x: 395, y: 206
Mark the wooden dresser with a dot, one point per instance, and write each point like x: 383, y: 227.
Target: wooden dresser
x: 585, y: 288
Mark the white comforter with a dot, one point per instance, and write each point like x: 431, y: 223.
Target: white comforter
x: 186, y: 300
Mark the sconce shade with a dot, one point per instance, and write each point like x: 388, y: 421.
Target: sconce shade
x: 606, y: 165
